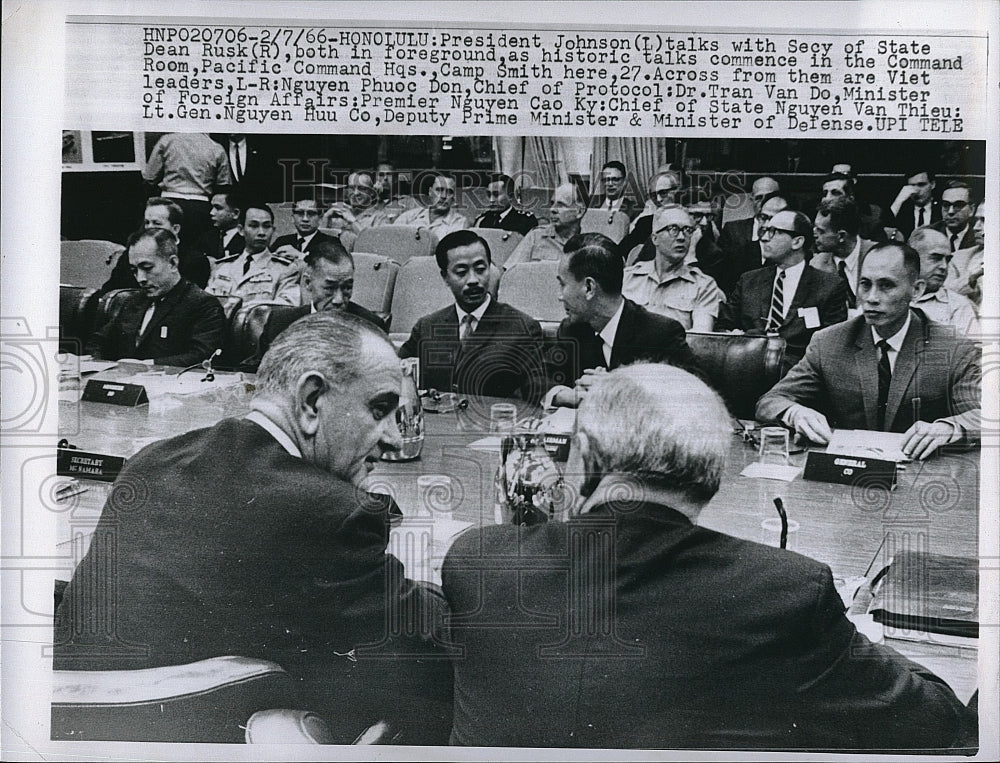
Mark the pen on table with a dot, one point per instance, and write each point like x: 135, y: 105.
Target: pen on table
x: 783, y: 540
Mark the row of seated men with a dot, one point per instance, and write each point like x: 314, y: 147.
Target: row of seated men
x: 481, y: 346
x: 627, y: 626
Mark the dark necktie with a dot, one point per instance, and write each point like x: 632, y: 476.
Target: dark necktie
x: 465, y: 329
x: 884, y: 380
x: 920, y: 217
x: 954, y: 241
x: 302, y: 244
x: 221, y: 251
x: 237, y: 169
x: 842, y: 272
x: 776, y: 315
x: 246, y: 264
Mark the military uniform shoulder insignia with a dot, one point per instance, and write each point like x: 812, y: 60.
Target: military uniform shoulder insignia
x: 282, y: 259
x: 228, y: 258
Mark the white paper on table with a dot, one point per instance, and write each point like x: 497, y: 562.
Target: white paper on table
x: 490, y: 444
x: 785, y: 473
x: 867, y: 627
x: 414, y: 533
x: 864, y: 443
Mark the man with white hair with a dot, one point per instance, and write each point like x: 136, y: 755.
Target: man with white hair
x: 630, y: 626
x: 938, y: 302
x: 256, y: 538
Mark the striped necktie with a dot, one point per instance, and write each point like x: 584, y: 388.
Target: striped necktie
x: 777, y: 314
x: 468, y: 324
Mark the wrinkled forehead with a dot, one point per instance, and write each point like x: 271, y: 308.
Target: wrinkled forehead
x: 673, y: 216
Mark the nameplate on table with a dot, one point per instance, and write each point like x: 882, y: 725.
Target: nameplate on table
x: 115, y: 393
x: 850, y: 470
x: 556, y: 445
x: 92, y: 466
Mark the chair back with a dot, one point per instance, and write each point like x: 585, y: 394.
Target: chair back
x: 614, y: 225
x: 740, y: 367
x: 419, y: 291
x: 206, y: 701
x: 398, y: 242
x: 245, y: 331
x: 502, y: 243
x: 531, y: 287
x: 111, y: 303
x: 77, y: 310
x: 374, y: 281
x: 87, y: 262
x: 284, y: 224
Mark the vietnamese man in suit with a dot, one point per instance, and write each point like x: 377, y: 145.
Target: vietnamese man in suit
x: 172, y: 322
x: 891, y: 370
x: 603, y: 330
x: 478, y: 346
x: 787, y: 297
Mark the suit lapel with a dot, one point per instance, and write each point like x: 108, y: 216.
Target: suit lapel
x: 866, y: 366
x: 903, y: 369
x: 802, y: 292
x: 759, y: 307
x: 163, y: 308
x: 622, y: 351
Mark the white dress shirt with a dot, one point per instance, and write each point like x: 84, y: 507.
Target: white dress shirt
x: 793, y: 275
x: 477, y: 316
x: 275, y: 431
x: 607, y: 334
x: 895, y: 341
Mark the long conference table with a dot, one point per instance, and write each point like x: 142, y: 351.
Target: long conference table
x: 934, y: 506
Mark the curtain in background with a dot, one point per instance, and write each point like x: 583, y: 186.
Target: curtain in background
x: 639, y: 155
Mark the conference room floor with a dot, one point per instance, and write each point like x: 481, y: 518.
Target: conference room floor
x: 934, y: 506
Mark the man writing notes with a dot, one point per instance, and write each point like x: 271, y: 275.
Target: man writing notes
x: 171, y: 322
x: 891, y: 369
x: 787, y: 297
x: 603, y: 330
x: 630, y: 626
x: 478, y: 346
x: 256, y: 538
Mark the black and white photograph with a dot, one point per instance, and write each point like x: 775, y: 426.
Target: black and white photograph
x: 616, y: 382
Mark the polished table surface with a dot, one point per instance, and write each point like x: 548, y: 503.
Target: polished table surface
x: 933, y: 507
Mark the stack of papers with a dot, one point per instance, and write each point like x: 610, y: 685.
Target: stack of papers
x: 421, y: 544
x: 862, y: 443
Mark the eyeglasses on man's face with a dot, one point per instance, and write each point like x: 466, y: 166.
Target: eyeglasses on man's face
x: 769, y: 230
x: 674, y: 230
x: 958, y: 206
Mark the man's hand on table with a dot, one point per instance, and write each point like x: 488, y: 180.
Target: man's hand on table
x: 925, y: 437
x: 808, y: 423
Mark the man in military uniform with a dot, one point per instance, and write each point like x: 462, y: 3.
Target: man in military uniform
x: 546, y: 242
x: 257, y: 274
x: 501, y: 213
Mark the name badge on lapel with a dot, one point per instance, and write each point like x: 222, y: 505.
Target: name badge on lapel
x: 163, y: 332
x: 811, y: 316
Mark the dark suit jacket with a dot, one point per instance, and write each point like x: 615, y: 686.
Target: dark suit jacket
x: 187, y: 326
x: 236, y: 547
x: 283, y: 316
x: 966, y: 242
x: 292, y: 240
x: 715, y: 642
x: 642, y: 336
x: 839, y: 378
x: 191, y: 262
x: 638, y: 235
x: 262, y: 179
x: 737, y: 254
x: 210, y: 244
x: 904, y: 222
x: 502, y: 358
x: 749, y: 304
x: 515, y: 220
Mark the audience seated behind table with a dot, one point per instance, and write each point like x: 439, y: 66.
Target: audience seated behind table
x: 691, y: 638
x: 966, y: 268
x: 839, y: 245
x: 256, y: 537
x: 257, y: 274
x: 163, y: 214
x: 327, y: 284
x: 662, y: 190
x: 306, y: 216
x: 438, y: 216
x: 477, y: 346
x: 670, y: 284
x: 787, y: 296
x: 501, y: 213
x: 546, y: 242
x: 171, y: 322
x: 362, y: 208
x: 915, y: 376
x: 938, y: 302
x: 603, y: 330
